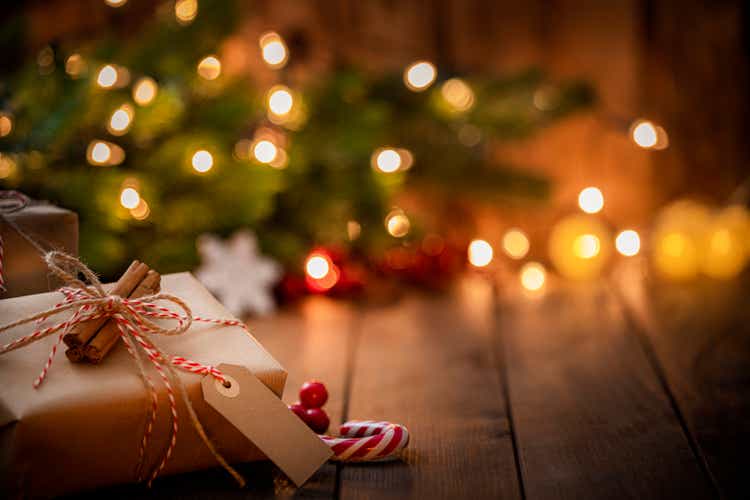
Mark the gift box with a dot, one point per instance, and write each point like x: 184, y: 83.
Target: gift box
x: 82, y: 427
x: 54, y: 227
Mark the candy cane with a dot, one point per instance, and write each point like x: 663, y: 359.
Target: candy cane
x: 367, y: 440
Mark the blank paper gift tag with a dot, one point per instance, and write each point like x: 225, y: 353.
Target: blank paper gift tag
x: 266, y: 421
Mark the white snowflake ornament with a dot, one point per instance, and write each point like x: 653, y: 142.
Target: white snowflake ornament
x: 237, y: 273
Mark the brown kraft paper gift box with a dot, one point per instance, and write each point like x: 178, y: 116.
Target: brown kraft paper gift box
x: 25, y: 271
x: 82, y: 428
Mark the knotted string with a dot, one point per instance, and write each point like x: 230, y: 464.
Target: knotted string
x: 87, y: 300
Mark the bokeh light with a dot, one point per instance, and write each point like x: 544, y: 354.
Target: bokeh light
x: 202, y: 161
x: 280, y: 100
x: 107, y: 76
x: 142, y: 211
x: 480, y: 253
x: 591, y: 200
x: 386, y: 160
x: 273, y: 49
x: 130, y: 198
x: 420, y: 75
x: 75, y: 65
x: 397, y: 223
x: 515, y: 244
x: 317, y: 266
x: 101, y: 153
x: 121, y: 119
x: 6, y: 124
x: 648, y: 135
x: 144, y: 91
x: 580, y: 246
x: 628, y: 243
x: 185, y: 11
x: 209, y: 68
x: 265, y: 151
x: 115, y: 3
x: 532, y: 276
x: 458, y: 95
x: 586, y: 246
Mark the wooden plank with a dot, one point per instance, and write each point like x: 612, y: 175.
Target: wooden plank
x: 590, y: 415
x: 310, y: 341
x: 700, y: 334
x: 427, y: 362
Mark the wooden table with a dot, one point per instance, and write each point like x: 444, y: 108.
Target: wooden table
x: 624, y: 388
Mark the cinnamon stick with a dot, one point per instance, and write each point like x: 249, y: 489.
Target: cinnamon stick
x: 107, y: 337
x: 75, y: 354
x: 81, y: 333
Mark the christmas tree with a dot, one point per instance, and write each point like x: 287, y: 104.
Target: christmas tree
x: 153, y: 142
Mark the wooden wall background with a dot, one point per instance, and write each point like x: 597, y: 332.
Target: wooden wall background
x: 681, y: 63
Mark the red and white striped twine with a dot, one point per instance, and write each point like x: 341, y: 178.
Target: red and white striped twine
x: 367, y: 441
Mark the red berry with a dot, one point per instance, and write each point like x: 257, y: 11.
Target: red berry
x: 313, y: 394
x: 299, y: 410
x: 317, y: 420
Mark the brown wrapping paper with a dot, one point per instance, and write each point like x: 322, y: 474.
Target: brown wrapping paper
x: 81, y: 429
x: 25, y: 271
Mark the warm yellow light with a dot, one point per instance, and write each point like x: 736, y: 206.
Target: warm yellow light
x: 644, y: 134
x: 6, y: 124
x: 628, y: 243
x: 580, y: 246
x: 397, y: 224
x: 7, y: 166
x: 209, y: 68
x: 586, y: 246
x: 591, y: 200
x: 115, y: 3
x: 202, y: 161
x: 480, y: 253
x: 726, y: 244
x: 243, y: 148
x: 648, y: 135
x: 457, y: 94
x: 121, y: 119
x: 317, y: 266
x: 265, y: 151
x: 273, y: 49
x: 107, y: 76
x: 185, y: 11
x: 420, y: 75
x: 281, y: 160
x: 142, y: 211
x: 387, y: 160
x: 144, y: 91
x: 129, y: 198
x: 679, y: 239
x: 533, y: 276
x: 280, y: 100
x: 100, y: 152
x: 75, y: 65
x: 104, y: 153
x: 515, y: 244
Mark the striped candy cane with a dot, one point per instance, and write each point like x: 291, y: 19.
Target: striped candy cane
x: 367, y: 441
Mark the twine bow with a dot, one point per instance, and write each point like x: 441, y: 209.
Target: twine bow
x: 87, y: 300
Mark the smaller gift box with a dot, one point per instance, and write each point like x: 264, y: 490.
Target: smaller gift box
x: 82, y: 427
x: 24, y: 271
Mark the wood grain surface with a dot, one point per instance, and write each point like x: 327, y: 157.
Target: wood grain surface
x: 591, y: 417
x: 427, y: 362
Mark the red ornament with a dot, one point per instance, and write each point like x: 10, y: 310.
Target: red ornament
x: 313, y: 394
x: 299, y: 410
x: 317, y: 420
